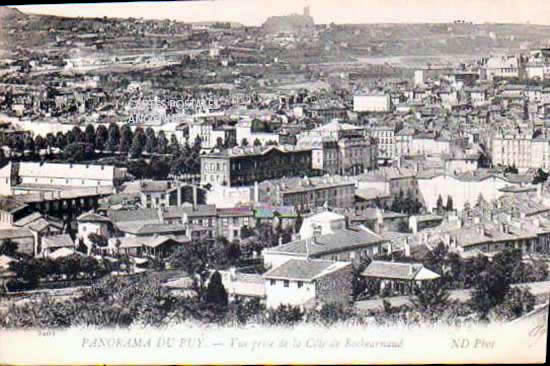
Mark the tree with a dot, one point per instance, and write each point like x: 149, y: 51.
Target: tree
x: 3, y: 159
x: 99, y: 143
x: 76, y: 152
x: 518, y: 301
x: 257, y: 142
x: 174, y: 147
x: 432, y: 297
x: 215, y: 292
x: 137, y: 147
x: 150, y: 143
x: 511, y: 169
x: 490, y: 289
x: 89, y: 134
x: 162, y: 143
x: 285, y: 315
x: 98, y: 240
x: 194, y: 260
x: 540, y: 177
x: 439, y: 204
x: 233, y: 252
x: 244, y: 142
x: 298, y: 223
x: 219, y: 143
x: 125, y: 140
x: 113, y: 137
x: 449, y: 206
x: 480, y: 201
x: 77, y: 133
x: 8, y: 248
x: 40, y: 143
x: 61, y: 141
x: 29, y: 145
x: 102, y: 132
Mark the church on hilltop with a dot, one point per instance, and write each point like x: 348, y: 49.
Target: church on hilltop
x: 289, y: 23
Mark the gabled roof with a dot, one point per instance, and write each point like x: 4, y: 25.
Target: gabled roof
x: 398, y: 271
x: 143, y: 215
x: 339, y: 241
x: 92, y: 217
x: 57, y: 241
x: 63, y: 252
x: 304, y: 270
x: 145, y: 229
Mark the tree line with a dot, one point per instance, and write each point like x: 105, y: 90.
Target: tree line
x: 77, y: 145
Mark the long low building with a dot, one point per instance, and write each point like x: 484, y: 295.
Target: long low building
x: 465, y: 188
x: 28, y: 177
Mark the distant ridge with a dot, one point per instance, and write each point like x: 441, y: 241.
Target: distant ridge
x: 6, y: 12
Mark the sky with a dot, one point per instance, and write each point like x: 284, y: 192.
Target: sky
x: 255, y: 12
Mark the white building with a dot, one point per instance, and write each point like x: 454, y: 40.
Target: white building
x: 372, y: 103
x: 31, y: 174
x: 322, y: 224
x: 462, y: 189
x: 303, y: 282
x: 385, y: 138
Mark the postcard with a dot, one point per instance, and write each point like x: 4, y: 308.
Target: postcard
x: 290, y: 182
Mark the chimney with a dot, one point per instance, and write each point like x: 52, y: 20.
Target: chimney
x: 194, y: 198
x: 539, y: 191
x: 256, y: 192
x: 413, y: 224
x: 161, y: 214
x: 232, y: 274
x: 178, y: 187
x: 407, y: 247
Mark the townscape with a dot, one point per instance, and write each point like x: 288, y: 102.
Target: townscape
x: 157, y: 172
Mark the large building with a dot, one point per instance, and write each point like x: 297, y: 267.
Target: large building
x: 340, y: 148
x: 521, y: 150
x: 31, y: 177
x: 289, y: 23
x: 245, y: 166
x: 210, y: 133
x: 372, y: 103
x: 385, y: 138
x: 308, y: 193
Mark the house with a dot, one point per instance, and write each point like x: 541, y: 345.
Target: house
x: 307, y: 193
x: 238, y: 284
x: 40, y: 226
x: 91, y: 222
x: 232, y: 220
x: 52, y: 243
x: 345, y: 244
x: 155, y: 193
x: 24, y: 238
x: 158, y: 246
x: 398, y: 278
x: 307, y: 282
x: 12, y: 210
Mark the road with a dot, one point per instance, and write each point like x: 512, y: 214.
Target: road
x: 537, y: 289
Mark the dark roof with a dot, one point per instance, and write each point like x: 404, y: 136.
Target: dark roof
x: 139, y: 215
x: 339, y: 241
x: 303, y: 270
x: 393, y: 270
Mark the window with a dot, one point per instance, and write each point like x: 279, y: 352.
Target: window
x: 286, y: 283
x: 272, y: 282
x: 300, y: 284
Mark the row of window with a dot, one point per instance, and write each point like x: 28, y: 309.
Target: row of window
x: 286, y: 283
